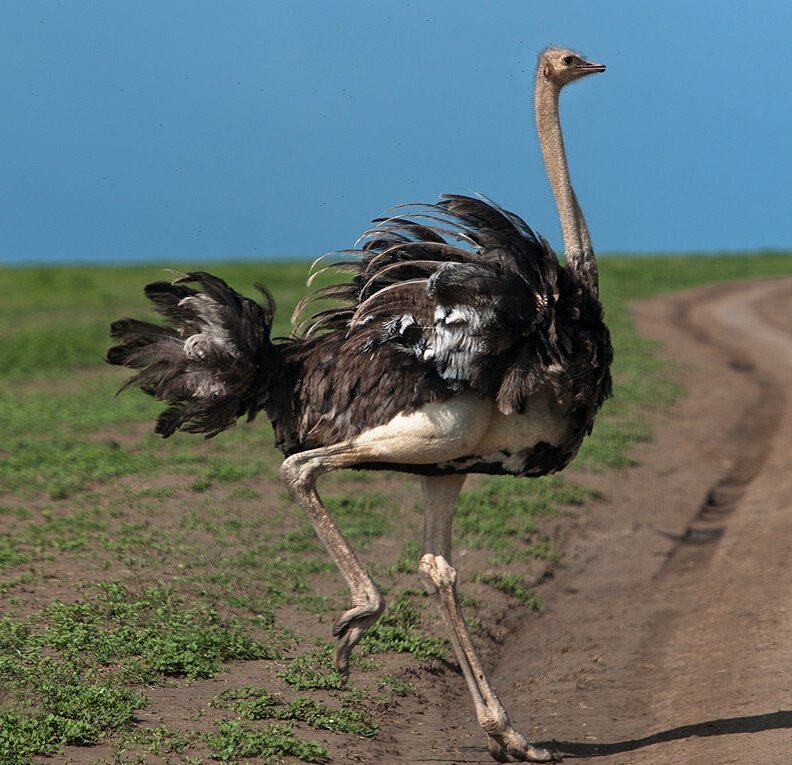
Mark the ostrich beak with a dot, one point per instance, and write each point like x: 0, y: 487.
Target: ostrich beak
x: 589, y: 67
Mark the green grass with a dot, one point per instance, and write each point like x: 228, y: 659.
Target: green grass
x: 58, y: 317
x: 69, y: 713
x: 362, y: 517
x: 233, y: 740
x: 396, y: 686
x: 255, y: 703
x: 513, y: 585
x: 399, y: 631
x: 66, y: 671
x: 513, y: 507
x: 313, y: 671
x: 199, y: 560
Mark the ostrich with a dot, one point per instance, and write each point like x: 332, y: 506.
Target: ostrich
x: 460, y: 345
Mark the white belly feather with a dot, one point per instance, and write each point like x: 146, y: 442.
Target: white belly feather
x: 542, y: 421
x: 466, y: 429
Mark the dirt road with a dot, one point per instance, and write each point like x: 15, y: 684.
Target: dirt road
x: 668, y: 635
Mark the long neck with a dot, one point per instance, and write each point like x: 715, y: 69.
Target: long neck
x: 578, y: 250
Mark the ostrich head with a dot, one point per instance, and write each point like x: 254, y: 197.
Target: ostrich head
x: 562, y: 66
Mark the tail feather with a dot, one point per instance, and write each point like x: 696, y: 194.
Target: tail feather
x: 213, y: 362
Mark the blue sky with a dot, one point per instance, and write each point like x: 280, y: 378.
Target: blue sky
x: 172, y: 131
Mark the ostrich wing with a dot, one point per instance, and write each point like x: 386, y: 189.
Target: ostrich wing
x: 468, y: 314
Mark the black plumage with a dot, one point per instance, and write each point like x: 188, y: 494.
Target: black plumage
x: 457, y: 296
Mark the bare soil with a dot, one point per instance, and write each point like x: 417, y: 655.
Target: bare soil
x: 668, y: 632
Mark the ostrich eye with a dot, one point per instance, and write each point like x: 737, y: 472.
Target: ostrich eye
x: 568, y: 60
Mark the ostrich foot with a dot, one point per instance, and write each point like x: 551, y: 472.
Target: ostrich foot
x: 509, y: 744
x: 350, y: 628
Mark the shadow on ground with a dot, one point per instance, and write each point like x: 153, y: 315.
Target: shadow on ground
x: 723, y: 727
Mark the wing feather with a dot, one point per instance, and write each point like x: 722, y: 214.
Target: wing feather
x: 463, y: 287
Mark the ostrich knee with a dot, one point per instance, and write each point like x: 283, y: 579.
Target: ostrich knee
x: 437, y: 573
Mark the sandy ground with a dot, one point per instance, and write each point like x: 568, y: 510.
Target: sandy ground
x: 668, y: 634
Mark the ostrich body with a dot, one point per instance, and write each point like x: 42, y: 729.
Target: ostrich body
x: 461, y: 345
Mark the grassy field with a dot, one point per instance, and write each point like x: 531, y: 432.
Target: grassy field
x: 163, y: 602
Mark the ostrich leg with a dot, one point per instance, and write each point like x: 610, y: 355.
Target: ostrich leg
x: 436, y: 433
x: 299, y: 474
x: 440, y: 493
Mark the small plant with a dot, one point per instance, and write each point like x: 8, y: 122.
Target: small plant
x: 254, y: 703
x: 408, y: 558
x: 155, y: 627
x: 160, y: 740
x: 512, y: 584
x: 72, y: 714
x: 397, y: 686
x: 233, y: 740
x: 396, y: 631
x: 64, y: 671
x: 312, y: 671
x: 362, y: 517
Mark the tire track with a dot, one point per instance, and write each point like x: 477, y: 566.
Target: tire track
x: 752, y: 436
x: 726, y: 656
